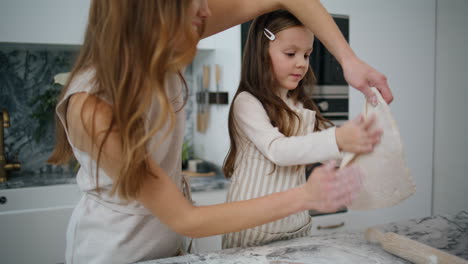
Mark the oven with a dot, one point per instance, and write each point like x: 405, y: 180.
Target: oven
x: 333, y: 102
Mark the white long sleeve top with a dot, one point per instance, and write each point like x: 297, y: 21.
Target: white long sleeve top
x: 254, y: 125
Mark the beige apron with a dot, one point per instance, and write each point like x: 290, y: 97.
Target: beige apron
x: 105, y: 229
x: 256, y: 176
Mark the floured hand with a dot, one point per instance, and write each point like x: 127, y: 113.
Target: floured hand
x: 328, y: 190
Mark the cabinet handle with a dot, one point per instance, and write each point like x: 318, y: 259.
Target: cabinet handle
x: 3, y: 200
x: 331, y: 226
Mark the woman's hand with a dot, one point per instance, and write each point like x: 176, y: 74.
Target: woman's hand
x: 358, y: 135
x: 362, y: 76
x: 329, y: 189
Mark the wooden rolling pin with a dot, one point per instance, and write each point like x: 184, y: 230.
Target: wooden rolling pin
x: 410, y: 249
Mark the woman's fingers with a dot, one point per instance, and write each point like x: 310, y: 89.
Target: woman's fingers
x: 358, y: 119
x: 339, y: 188
x: 350, y: 184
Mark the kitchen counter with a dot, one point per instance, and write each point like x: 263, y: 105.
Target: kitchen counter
x: 447, y: 233
x: 24, y: 180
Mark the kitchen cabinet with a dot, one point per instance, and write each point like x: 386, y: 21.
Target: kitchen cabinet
x: 40, y: 22
x: 45, y: 21
x: 33, y: 223
x: 212, y: 243
x: 325, y: 224
x: 36, y: 236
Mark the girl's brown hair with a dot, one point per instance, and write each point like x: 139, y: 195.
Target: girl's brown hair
x: 257, y: 79
x: 130, y: 46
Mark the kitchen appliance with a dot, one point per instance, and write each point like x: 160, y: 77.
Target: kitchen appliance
x: 333, y: 102
x: 325, y: 66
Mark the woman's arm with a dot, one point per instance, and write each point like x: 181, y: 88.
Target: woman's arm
x: 228, y: 13
x: 325, y: 191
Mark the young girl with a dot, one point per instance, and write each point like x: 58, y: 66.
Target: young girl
x: 276, y: 129
x: 121, y: 116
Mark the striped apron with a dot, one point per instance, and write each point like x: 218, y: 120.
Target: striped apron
x: 255, y: 176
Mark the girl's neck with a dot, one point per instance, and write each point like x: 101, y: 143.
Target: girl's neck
x: 283, y: 93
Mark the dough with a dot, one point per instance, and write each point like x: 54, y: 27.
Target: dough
x: 387, y: 180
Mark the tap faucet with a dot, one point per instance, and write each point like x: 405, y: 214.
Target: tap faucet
x: 4, y: 165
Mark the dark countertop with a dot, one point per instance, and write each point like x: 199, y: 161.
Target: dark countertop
x: 445, y: 232
x: 24, y: 180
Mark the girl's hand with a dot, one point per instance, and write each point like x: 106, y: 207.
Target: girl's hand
x: 362, y: 76
x: 358, y: 135
x: 329, y: 189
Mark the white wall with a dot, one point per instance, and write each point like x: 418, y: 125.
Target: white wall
x: 213, y: 145
x: 44, y: 21
x: 397, y: 37
x: 451, y: 108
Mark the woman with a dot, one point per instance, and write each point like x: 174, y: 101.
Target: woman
x: 121, y: 116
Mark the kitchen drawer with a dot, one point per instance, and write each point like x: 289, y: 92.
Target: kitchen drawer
x: 211, y: 243
x: 325, y: 224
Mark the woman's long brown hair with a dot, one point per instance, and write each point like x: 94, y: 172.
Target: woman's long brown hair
x: 257, y: 79
x: 130, y: 46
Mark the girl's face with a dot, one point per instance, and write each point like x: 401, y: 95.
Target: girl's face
x: 199, y: 12
x: 289, y: 54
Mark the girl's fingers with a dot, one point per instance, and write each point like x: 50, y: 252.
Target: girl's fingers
x: 369, y: 122
x: 330, y: 165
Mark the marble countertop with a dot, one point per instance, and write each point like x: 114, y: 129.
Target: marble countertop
x: 444, y: 232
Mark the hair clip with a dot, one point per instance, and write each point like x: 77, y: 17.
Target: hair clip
x: 268, y: 34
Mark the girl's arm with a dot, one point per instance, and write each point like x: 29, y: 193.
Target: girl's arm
x: 325, y: 191
x: 253, y: 122
x: 357, y: 136
x: 228, y: 13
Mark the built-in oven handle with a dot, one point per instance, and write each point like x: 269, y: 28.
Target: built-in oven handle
x: 331, y: 226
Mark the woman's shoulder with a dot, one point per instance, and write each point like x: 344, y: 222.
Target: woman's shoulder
x: 83, y: 81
